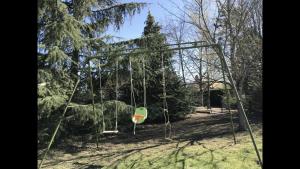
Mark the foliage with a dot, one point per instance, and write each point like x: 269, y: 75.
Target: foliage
x: 237, y: 27
x: 255, y: 101
x: 68, y: 31
x: 84, y: 115
x: 232, y: 102
x: 54, y: 89
x: 176, y: 98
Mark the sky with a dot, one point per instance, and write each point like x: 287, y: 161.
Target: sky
x: 133, y: 28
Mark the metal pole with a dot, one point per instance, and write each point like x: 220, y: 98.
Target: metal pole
x: 116, y: 111
x: 222, y: 58
x: 59, y: 123
x: 228, y: 106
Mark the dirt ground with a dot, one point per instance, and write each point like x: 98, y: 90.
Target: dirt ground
x: 113, y: 147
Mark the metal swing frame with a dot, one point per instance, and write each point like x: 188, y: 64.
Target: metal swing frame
x: 217, y: 48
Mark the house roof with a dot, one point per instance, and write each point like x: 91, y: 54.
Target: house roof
x: 219, y: 85
x: 214, y: 86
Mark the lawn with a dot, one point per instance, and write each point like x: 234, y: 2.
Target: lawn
x: 216, y: 153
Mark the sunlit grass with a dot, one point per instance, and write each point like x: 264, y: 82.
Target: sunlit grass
x: 190, y: 152
x: 216, y: 153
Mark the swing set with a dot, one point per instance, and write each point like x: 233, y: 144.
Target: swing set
x: 140, y: 113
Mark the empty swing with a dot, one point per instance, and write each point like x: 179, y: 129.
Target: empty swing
x: 104, y: 131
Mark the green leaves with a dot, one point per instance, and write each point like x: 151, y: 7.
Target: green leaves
x: 115, y: 14
x: 57, y: 82
x: 56, y: 56
x: 49, y: 104
x: 68, y: 32
x: 84, y: 113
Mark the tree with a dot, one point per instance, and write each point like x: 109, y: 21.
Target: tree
x: 68, y: 32
x: 175, y: 90
x: 231, y: 23
x: 70, y: 29
x: 174, y: 32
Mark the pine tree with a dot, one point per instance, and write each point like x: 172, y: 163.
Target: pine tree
x: 69, y: 29
x: 176, y: 100
x: 68, y: 32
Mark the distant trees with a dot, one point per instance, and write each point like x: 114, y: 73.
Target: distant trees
x: 237, y: 26
x: 176, y: 100
x: 175, y: 32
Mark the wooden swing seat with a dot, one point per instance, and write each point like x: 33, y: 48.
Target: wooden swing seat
x: 110, y: 131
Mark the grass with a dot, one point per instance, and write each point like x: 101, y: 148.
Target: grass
x: 204, y: 143
x: 216, y: 153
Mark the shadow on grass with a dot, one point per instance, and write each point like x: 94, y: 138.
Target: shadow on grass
x: 92, y: 167
x: 104, y: 155
x: 188, y: 130
x: 201, y: 127
x: 175, y: 159
x: 197, y: 128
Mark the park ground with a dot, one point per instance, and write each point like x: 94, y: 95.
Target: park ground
x: 203, y: 141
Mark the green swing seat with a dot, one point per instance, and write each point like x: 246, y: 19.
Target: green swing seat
x: 140, y: 115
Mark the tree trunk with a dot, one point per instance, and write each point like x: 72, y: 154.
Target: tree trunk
x: 181, y: 64
x: 200, y: 83
x: 242, y: 122
x: 74, y: 67
x: 208, y: 85
x: 208, y: 92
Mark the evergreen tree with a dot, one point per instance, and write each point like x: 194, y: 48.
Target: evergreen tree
x: 68, y: 31
x: 154, y: 41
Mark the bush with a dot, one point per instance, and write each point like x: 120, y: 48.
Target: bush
x: 155, y: 113
x: 81, y: 119
x: 232, y: 102
x: 255, y: 101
